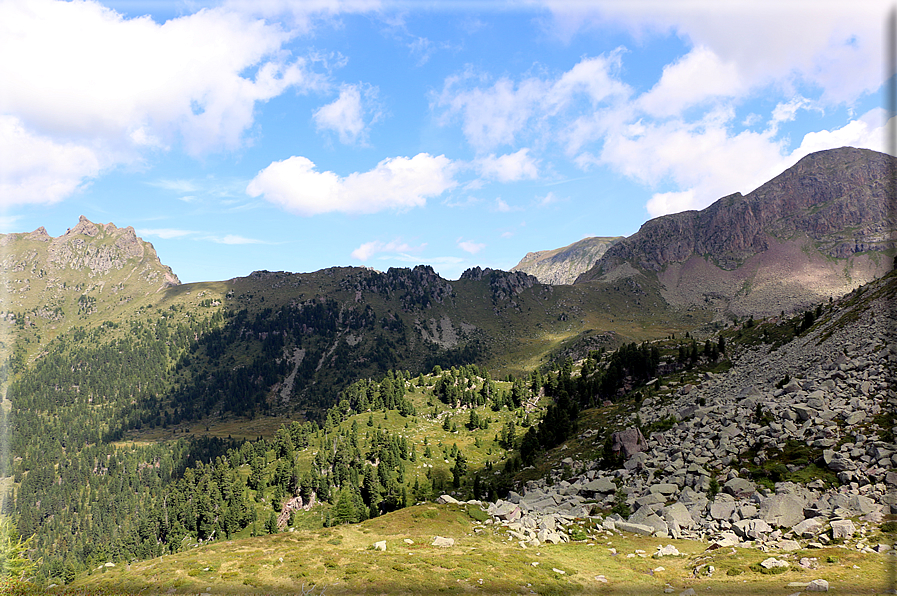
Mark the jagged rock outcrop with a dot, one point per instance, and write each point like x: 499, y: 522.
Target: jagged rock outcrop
x: 91, y: 267
x: 563, y: 265
x: 775, y: 248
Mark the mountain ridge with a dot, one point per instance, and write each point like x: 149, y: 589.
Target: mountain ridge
x: 831, y: 206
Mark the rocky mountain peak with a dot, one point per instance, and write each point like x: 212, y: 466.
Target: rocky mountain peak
x: 779, y: 242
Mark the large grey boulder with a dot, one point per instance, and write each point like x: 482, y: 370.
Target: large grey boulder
x: 739, y: 488
x: 443, y: 541
x: 843, y: 528
x: 808, y: 528
x: 599, y: 485
x: 634, y: 528
x: 782, y: 510
x: 722, y: 510
x: 629, y: 442
x: 678, y: 514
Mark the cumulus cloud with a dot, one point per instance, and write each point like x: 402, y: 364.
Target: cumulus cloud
x: 38, y: 169
x: 89, y: 89
x: 499, y: 113
x: 233, y: 239
x: 346, y: 114
x: 396, y: 183
x: 470, y: 246
x: 833, y: 45
x: 369, y: 249
x: 508, y: 168
x: 697, y: 77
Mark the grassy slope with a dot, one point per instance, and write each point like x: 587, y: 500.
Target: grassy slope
x: 341, y: 560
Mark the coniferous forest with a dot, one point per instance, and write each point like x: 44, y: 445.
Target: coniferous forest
x: 86, y: 495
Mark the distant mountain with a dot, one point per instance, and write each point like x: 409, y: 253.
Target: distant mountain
x: 93, y: 270
x: 818, y: 230
x: 562, y: 266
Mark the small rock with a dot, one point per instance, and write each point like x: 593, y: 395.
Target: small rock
x: 817, y: 585
x: 772, y: 563
x: 443, y: 542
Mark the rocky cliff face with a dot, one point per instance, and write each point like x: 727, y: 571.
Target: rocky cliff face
x: 832, y: 207
x: 562, y: 266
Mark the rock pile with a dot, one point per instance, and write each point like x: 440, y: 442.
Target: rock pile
x: 690, y: 481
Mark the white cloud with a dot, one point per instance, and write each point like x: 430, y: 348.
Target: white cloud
x: 89, y: 89
x: 835, y: 45
x: 37, y: 169
x: 498, y: 114
x: 662, y: 203
x: 508, y: 168
x: 709, y: 164
x: 165, y: 233
x: 369, y: 249
x: 867, y: 132
x: 181, y: 186
x: 501, y: 206
x: 470, y: 246
x: 396, y: 183
x: 548, y: 199
x: 345, y: 115
x: 697, y: 77
x: 233, y: 239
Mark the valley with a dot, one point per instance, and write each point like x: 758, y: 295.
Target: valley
x: 721, y: 381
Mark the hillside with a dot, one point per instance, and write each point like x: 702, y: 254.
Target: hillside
x: 562, y: 266
x: 769, y: 468
x: 818, y: 230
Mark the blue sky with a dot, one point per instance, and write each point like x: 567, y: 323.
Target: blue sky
x: 244, y: 135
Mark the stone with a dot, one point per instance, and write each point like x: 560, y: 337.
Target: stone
x: 724, y: 540
x: 634, y: 528
x: 722, y: 509
x: 667, y: 551
x: 808, y: 528
x: 787, y: 545
x: 443, y: 542
x: 599, y: 485
x: 629, y: 442
x: 664, y: 488
x: 817, y: 585
x: 447, y: 499
x: 679, y: 515
x: 381, y: 545
x: 739, y: 487
x: 843, y: 528
x: 773, y: 563
x: 782, y: 510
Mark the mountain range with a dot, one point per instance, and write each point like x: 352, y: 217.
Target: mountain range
x: 818, y: 230
x: 120, y: 383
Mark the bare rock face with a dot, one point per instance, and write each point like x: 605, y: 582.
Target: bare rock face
x: 776, y: 243
x: 563, y: 265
